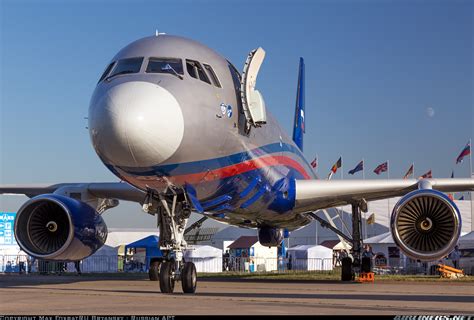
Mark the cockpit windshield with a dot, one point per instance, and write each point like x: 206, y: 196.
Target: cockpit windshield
x: 165, y: 65
x: 129, y: 65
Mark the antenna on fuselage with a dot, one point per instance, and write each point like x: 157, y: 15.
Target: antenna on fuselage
x: 158, y: 33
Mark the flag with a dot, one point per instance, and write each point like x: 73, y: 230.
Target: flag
x: 314, y: 163
x: 427, y: 175
x: 359, y: 167
x: 371, y: 219
x: 466, y: 151
x: 381, y: 168
x: 461, y: 198
x: 337, y: 165
x: 409, y: 172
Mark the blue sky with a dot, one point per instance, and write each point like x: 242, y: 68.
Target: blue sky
x: 373, y: 70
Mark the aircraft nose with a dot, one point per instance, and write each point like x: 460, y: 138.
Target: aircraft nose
x: 135, y: 124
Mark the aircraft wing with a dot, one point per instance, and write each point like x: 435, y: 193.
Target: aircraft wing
x: 115, y: 190
x: 313, y: 195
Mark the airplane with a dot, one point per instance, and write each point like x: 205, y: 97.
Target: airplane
x: 185, y: 131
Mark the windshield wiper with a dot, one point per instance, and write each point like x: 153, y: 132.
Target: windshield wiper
x: 119, y: 73
x: 169, y: 67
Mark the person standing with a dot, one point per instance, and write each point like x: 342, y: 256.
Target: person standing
x: 77, y: 264
x: 21, y: 262
x: 455, y: 256
x: 368, y: 254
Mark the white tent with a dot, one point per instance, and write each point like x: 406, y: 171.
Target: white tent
x: 104, y: 260
x: 310, y: 257
x: 205, y: 258
x: 340, y: 246
x: 467, y: 241
x: 123, y: 236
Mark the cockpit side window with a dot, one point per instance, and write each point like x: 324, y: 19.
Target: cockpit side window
x: 214, y: 78
x: 106, y: 72
x: 195, y: 70
x: 129, y: 65
x: 165, y: 65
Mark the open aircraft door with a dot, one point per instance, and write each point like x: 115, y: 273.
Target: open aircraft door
x: 252, y: 101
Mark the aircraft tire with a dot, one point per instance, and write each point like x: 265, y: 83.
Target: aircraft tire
x: 166, y: 277
x: 154, y: 271
x: 189, y: 278
x: 346, y: 270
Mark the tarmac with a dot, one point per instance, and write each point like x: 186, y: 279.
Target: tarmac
x: 136, y: 295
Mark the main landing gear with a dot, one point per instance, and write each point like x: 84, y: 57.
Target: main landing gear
x: 352, y: 264
x: 173, y: 212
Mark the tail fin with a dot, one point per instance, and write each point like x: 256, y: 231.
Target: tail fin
x: 298, y: 125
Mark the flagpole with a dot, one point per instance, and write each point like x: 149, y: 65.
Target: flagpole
x: 317, y: 165
x: 388, y: 199
x: 342, y: 169
x: 470, y: 159
x: 470, y: 176
x: 342, y: 177
x: 363, y: 169
x: 388, y: 170
x: 364, y: 235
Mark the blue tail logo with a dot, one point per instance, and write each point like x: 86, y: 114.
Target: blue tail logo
x: 298, y: 126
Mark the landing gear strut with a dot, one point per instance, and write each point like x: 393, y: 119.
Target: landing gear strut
x: 356, y: 238
x: 173, y: 214
x: 350, y: 265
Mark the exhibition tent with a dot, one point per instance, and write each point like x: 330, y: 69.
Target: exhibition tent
x: 467, y: 241
x: 205, y: 258
x: 310, y: 257
x: 151, y: 245
x: 104, y: 260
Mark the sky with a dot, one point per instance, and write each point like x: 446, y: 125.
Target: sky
x: 385, y: 80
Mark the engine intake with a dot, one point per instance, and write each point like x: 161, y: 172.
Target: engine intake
x: 426, y: 224
x: 55, y: 227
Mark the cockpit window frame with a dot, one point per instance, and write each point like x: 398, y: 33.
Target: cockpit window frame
x: 212, y: 75
x: 196, y: 69
x: 106, y: 72
x: 149, y: 59
x: 117, y: 63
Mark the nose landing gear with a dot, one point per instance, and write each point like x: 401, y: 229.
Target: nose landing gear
x: 173, y: 214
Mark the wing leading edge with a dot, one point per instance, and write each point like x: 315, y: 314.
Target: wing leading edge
x: 115, y: 190
x: 313, y: 195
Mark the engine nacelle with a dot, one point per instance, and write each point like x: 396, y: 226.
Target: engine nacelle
x: 270, y: 237
x: 426, y: 224
x: 54, y: 227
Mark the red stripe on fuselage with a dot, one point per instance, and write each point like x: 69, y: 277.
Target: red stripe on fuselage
x: 229, y: 171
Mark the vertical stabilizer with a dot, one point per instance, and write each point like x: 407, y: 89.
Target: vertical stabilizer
x: 298, y: 125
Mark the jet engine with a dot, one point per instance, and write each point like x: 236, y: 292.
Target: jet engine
x: 426, y: 224
x: 55, y: 227
x: 270, y: 237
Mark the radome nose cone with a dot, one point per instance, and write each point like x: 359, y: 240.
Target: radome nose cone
x: 135, y: 124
